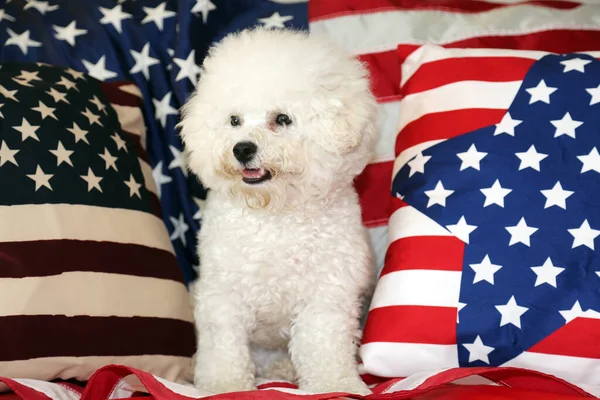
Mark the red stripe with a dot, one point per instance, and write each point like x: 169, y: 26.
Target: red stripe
x: 385, y: 74
x: 416, y: 253
x: 53, y: 257
x: 115, y: 95
x: 396, y: 203
x: 578, y: 338
x: 411, y: 324
x: 21, y: 392
x: 373, y: 186
x: 136, y: 141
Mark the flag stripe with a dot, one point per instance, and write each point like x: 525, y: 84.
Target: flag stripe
x: 53, y: 257
x: 408, y: 222
x: 370, y: 184
x: 574, y: 339
x: 385, y: 73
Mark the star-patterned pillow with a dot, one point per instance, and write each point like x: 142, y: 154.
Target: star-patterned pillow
x: 88, y: 275
x: 493, y: 242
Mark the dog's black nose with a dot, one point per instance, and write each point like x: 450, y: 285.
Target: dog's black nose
x: 244, y: 151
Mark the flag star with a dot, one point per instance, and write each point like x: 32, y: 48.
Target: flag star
x: 29, y: 76
x: 22, y: 82
x: 27, y: 130
x: 204, y: 7
x: 1, y: 115
x: 507, y: 125
x: 75, y: 74
x: 179, y: 229
x: 159, y: 177
x: 78, y: 133
x: 42, y: 6
x: 5, y: 16
x: 158, y: 15
x: 478, y: 351
x: 438, y: 195
x: 92, y: 180
x: 121, y: 144
x: 495, y: 194
x: 471, y: 158
x: 459, y: 307
x: 511, y: 313
x: 22, y: 40
x: 546, y: 273
x: 591, y: 161
x: 530, y: 159
x: 45, y: 111
x: 187, y: 68
x: 114, y: 16
x: 143, y: 61
x: 99, y: 105
x: 67, y: 83
x: 595, y: 93
x: 566, y: 126
x: 584, y: 235
x: 7, y: 154
x: 575, y: 64
x: 178, y: 160
x: 485, y: 270
x: 577, y: 311
x: 9, y: 94
x: 417, y: 164
x: 92, y: 118
x: 461, y: 229
x: 556, y: 196
x: 521, y: 233
x: 109, y: 159
x: 541, y: 93
x: 163, y: 109
x: 68, y: 33
x: 41, y: 179
x: 134, y: 187
x: 99, y: 70
x: 275, y: 21
x: 200, y: 205
x: 62, y: 154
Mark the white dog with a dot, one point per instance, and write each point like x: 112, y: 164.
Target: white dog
x: 280, y: 124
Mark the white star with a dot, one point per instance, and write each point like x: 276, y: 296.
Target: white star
x: 5, y: 16
x: 471, y: 158
x: 157, y: 15
x: 507, y: 125
x: 92, y: 180
x: 495, y: 194
x: 8, y: 94
x: 41, y: 179
x: 530, y: 159
x: 521, y: 233
x: 42, y: 6
x: 22, y: 82
x: 485, y: 270
x: 99, y: 70
x: 204, y: 7
x: 591, y: 161
x: 27, y: 130
x: 178, y: 160
x: 121, y: 145
x: 134, y: 187
x: 1, y: 115
x: 511, y: 313
x: 159, y: 177
x: 92, y: 118
x: 577, y: 311
x: 275, y: 21
x: 546, y: 273
x: 114, y: 16
x: 187, y: 68
x: 566, y: 126
x: 29, y: 76
x: 67, y: 83
x: 78, y: 133
x: 109, y: 159
x: 75, y: 74
x: 68, y: 33
x: 575, y: 64
x: 200, y: 205
x: 99, y: 105
x: 541, y: 93
x: 461, y: 229
x: 45, y: 111
x: 556, y: 196
x: 179, y: 229
x: 438, y: 195
x: 417, y: 164
x: 7, y: 154
x: 459, y: 307
x: 22, y: 41
x: 143, y: 61
x: 584, y: 235
x: 595, y: 93
x: 62, y: 154
x: 478, y: 351
x: 163, y: 109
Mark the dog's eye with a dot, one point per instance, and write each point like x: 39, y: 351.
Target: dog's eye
x: 235, y: 120
x: 283, y: 119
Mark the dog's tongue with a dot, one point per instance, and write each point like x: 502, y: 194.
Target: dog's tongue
x: 253, y: 173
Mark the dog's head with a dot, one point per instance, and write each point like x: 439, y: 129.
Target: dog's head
x: 279, y: 117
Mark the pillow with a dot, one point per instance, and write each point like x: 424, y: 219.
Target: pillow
x: 492, y: 258
x: 88, y: 275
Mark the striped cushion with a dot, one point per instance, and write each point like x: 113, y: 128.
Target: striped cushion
x: 88, y: 275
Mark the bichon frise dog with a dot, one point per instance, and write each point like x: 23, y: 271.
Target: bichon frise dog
x: 279, y: 126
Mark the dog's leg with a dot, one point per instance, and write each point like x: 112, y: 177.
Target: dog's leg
x: 324, y: 340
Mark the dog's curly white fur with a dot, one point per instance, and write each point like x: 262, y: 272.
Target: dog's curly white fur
x: 285, y: 261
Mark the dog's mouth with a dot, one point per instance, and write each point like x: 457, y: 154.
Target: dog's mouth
x: 254, y: 176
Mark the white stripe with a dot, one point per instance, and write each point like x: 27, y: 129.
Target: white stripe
x: 52, y: 390
x: 413, y: 381
x: 383, y: 31
x: 409, y: 153
x: 149, y: 181
x: 388, y: 129
x: 409, y: 222
x: 391, y: 360
x: 418, y: 287
x: 132, y: 121
x: 21, y: 223
x: 184, y: 390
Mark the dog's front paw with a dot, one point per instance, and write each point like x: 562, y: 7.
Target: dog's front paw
x: 349, y: 385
